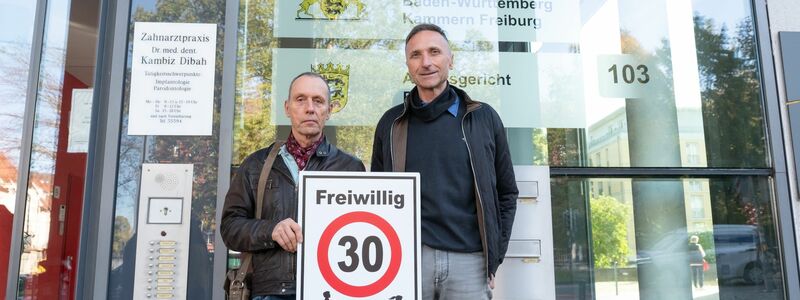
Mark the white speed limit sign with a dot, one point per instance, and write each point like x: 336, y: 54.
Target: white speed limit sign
x: 361, y: 236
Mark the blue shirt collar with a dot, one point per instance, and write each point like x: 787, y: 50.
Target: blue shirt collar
x: 453, y: 109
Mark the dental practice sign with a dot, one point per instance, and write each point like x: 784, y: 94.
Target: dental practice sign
x: 361, y: 235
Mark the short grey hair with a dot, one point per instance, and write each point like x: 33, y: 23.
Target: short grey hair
x: 310, y: 74
x: 426, y: 27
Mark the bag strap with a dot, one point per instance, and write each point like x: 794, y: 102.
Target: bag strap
x: 246, y: 265
x: 262, y: 179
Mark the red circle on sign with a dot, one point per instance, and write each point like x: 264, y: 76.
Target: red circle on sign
x: 325, y: 242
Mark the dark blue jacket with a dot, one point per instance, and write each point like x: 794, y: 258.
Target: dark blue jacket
x: 490, y: 163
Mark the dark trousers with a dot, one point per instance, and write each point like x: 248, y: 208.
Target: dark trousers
x: 697, y: 276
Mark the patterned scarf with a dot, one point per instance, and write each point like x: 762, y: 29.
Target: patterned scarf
x: 300, y: 154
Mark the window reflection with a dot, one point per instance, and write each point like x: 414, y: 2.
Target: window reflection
x: 200, y: 151
x: 698, y: 54
x: 687, y: 46
x: 43, y: 249
x: 15, y: 48
x: 694, y: 56
x: 731, y: 217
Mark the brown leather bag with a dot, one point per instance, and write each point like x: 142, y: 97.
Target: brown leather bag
x: 237, y: 281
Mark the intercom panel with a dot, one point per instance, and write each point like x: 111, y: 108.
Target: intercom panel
x: 162, y: 244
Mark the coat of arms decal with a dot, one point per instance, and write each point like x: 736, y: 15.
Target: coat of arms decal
x: 331, y: 9
x: 338, y: 78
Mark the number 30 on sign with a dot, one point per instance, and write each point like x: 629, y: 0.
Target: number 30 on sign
x: 361, y: 236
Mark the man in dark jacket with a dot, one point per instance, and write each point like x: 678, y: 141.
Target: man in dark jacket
x: 273, y: 239
x: 459, y: 147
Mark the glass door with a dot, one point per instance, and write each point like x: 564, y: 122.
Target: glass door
x: 57, y: 169
x: 16, y: 19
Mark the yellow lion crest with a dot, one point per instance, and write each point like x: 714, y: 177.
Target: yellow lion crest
x: 331, y: 9
x: 338, y: 78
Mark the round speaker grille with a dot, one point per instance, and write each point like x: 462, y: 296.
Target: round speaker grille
x: 167, y: 181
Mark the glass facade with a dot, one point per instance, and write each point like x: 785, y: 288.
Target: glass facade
x: 648, y: 115
x: 200, y: 151
x: 610, y: 243
x: 597, y: 84
x: 15, y: 48
x: 61, y: 113
x: 702, y: 99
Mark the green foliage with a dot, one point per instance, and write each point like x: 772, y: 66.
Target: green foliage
x: 254, y: 134
x: 253, y: 128
x: 539, y: 146
x: 734, y: 122
x: 563, y: 147
x: 609, y: 231
x: 356, y: 140
x: 706, y: 239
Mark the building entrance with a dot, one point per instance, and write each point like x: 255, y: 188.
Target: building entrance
x: 52, y: 168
